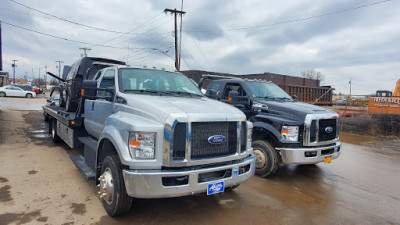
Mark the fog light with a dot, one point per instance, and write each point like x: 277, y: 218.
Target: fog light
x: 310, y: 154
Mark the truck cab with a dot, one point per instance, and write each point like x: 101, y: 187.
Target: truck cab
x: 284, y: 130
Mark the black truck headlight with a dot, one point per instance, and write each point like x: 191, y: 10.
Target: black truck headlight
x: 142, y: 145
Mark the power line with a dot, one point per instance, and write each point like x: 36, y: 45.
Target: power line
x: 294, y: 20
x: 69, y: 21
x: 63, y: 38
x: 312, y: 17
x: 136, y: 28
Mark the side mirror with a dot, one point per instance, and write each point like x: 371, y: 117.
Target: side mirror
x: 90, y: 91
x: 235, y: 99
x: 294, y: 97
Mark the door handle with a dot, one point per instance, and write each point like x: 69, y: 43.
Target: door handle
x: 92, y: 106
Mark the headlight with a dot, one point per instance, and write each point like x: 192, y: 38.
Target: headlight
x: 142, y: 145
x: 290, y: 133
x: 249, y: 134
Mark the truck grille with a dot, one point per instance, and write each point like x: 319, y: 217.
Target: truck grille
x: 320, y: 130
x: 199, y: 135
x: 202, y: 131
x: 323, y: 135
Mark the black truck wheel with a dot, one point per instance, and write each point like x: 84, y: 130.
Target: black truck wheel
x: 267, y: 158
x: 53, y: 129
x: 70, y: 105
x: 112, y: 187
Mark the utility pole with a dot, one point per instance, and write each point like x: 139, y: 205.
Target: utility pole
x: 177, y: 53
x: 33, y: 78
x: 39, y: 79
x: 45, y: 77
x: 1, y: 51
x: 85, y: 50
x: 13, y: 66
x: 350, y: 89
x: 59, y: 67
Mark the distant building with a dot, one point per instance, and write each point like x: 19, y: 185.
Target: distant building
x: 3, y: 79
x: 306, y: 90
x: 21, y: 81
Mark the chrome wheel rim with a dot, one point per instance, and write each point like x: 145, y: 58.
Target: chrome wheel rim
x: 106, y: 186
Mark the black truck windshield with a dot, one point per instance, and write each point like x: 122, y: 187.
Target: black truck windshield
x: 153, y: 81
x: 266, y: 90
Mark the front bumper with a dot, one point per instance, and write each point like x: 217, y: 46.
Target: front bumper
x: 149, y: 184
x: 298, y: 155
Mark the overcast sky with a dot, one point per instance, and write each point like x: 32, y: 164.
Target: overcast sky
x: 357, y: 40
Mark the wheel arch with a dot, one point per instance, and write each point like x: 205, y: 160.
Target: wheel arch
x: 262, y: 131
x: 105, y: 148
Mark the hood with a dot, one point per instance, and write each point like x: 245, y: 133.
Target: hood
x: 182, y: 108
x: 290, y: 109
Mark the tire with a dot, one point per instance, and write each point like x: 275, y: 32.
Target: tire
x: 29, y: 95
x: 267, y: 158
x: 112, y: 187
x: 70, y: 106
x: 3, y: 94
x: 45, y: 117
x: 229, y: 189
x: 53, y: 130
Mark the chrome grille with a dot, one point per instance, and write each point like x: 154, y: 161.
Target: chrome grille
x: 320, y: 129
x: 201, y: 131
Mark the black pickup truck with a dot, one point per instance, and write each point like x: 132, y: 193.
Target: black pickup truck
x: 285, y: 130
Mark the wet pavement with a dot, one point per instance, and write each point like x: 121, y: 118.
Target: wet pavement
x: 40, y: 185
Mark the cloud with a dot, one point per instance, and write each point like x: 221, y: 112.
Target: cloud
x: 232, y: 36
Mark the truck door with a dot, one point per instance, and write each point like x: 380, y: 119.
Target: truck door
x: 241, y: 91
x: 96, y: 111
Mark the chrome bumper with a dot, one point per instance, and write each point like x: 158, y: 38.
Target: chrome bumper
x: 148, y: 183
x: 297, y: 155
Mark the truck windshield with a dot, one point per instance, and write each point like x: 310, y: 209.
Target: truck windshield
x: 155, y: 81
x: 266, y: 90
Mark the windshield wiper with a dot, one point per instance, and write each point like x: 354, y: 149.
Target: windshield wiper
x: 146, y: 91
x: 185, y: 93
x: 163, y: 92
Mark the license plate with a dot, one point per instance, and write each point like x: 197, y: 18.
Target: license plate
x: 215, y: 188
x: 328, y: 159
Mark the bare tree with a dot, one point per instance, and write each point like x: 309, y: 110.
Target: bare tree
x: 313, y: 74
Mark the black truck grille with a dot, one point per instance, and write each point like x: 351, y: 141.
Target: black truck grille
x: 327, y: 130
x: 200, y: 133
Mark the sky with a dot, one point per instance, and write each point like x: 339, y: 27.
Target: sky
x: 353, y: 42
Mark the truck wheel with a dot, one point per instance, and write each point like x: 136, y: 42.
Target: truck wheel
x: 112, y: 187
x: 29, y: 95
x: 53, y: 128
x: 69, y: 105
x: 267, y: 158
x: 229, y: 189
x: 2, y: 94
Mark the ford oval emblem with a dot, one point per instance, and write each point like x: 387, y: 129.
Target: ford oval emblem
x: 328, y: 130
x: 216, y: 139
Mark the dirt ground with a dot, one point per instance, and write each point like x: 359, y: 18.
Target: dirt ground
x: 39, y: 184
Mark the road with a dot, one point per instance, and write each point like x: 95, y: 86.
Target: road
x: 39, y: 184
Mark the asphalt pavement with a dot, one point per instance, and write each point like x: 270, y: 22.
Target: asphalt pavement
x: 39, y: 184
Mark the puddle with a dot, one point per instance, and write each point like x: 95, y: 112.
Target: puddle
x: 41, y: 136
x: 356, y: 139
x: 38, y: 131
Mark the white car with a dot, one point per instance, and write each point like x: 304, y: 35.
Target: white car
x: 16, y: 92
